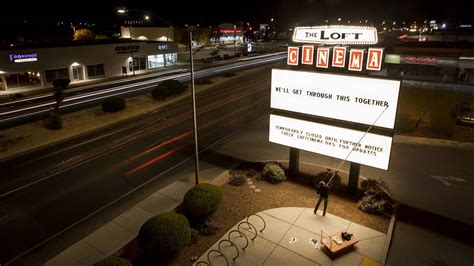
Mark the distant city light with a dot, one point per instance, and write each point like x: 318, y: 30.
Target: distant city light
x: 147, y: 17
x: 339, y: 19
x: 121, y: 10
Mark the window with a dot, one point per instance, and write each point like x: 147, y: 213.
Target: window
x: 95, y: 71
x: 155, y: 61
x: 171, y: 59
x: 56, y: 74
x: 139, y: 63
x: 23, y: 79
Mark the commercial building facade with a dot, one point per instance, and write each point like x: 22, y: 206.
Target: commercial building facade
x: 453, y: 65
x: 38, y: 67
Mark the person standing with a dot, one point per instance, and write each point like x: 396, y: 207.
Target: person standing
x: 323, y: 192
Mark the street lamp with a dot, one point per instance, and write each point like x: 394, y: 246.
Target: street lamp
x: 193, y: 90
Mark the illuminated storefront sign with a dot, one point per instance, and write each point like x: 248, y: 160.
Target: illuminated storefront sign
x: 339, y: 55
x: 336, y: 35
x: 21, y: 58
x: 162, y: 47
x: 229, y: 31
x: 125, y: 49
x: 355, y: 99
x: 372, y: 150
x: 419, y: 60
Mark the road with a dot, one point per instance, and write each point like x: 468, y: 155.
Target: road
x: 35, y: 108
x: 47, y: 191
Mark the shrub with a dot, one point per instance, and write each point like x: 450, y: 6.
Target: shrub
x: 202, y: 201
x: 273, y: 173
x: 113, y: 104
x: 208, y: 228
x: 325, y: 177
x: 54, y: 121
x: 230, y: 74
x: 160, y: 92
x: 237, y: 181
x: 376, y: 199
x: 174, y: 86
x: 113, y: 261
x: 164, y: 235
x: 376, y: 202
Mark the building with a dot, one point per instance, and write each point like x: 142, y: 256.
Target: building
x: 37, y: 67
x: 160, y: 34
x: 437, y: 62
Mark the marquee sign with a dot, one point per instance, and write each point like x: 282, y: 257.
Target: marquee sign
x: 336, y: 34
x: 372, y: 150
x: 354, y: 99
x: 355, y: 62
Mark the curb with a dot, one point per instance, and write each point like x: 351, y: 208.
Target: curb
x: 388, y: 240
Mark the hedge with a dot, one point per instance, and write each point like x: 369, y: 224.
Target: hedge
x: 202, y: 201
x: 164, y: 235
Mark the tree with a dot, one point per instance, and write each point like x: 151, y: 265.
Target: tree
x: 54, y: 121
x: 83, y: 35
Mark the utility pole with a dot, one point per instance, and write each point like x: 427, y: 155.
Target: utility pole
x: 235, y: 41
x: 193, y: 92
x: 131, y: 49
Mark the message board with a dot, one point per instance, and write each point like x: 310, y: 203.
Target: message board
x: 373, y: 150
x: 354, y: 99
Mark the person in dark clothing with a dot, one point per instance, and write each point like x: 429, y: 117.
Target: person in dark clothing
x: 323, y: 192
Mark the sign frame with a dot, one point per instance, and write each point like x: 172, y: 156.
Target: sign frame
x: 318, y: 33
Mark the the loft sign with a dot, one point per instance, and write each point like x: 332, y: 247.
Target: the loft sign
x: 336, y: 34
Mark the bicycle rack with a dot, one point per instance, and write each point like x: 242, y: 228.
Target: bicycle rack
x: 261, y: 218
x: 231, y: 244
x: 220, y: 254
x: 241, y: 234
x: 250, y: 226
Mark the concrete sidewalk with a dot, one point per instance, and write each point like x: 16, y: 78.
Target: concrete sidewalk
x: 117, y: 233
x: 286, y: 240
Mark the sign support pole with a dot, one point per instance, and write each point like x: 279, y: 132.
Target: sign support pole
x: 353, y: 183
x: 294, y: 163
x: 294, y: 160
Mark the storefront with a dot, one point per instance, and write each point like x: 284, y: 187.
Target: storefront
x: 422, y: 67
x: 38, y: 67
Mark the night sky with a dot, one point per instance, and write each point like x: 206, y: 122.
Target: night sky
x: 286, y: 12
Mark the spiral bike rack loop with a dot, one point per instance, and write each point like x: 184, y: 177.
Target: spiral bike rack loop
x: 220, y: 254
x: 261, y: 218
x: 232, y: 245
x: 201, y: 262
x: 240, y: 235
x: 251, y: 226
